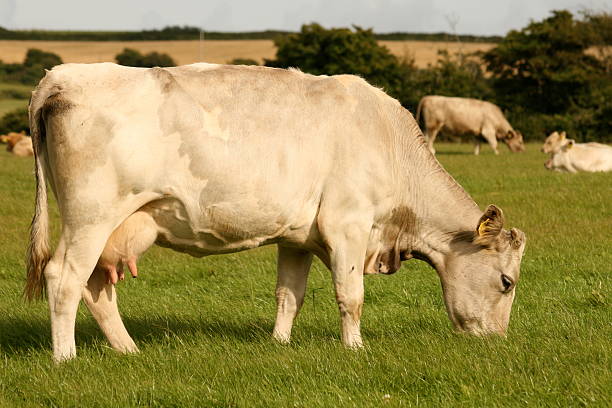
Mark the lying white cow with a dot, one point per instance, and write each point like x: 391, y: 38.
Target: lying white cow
x: 227, y: 158
x: 554, y: 142
x: 23, y: 148
x: 575, y: 157
x: 462, y: 116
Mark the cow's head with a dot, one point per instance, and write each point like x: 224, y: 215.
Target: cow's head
x: 559, y: 158
x: 554, y: 142
x: 480, y: 275
x: 514, y: 140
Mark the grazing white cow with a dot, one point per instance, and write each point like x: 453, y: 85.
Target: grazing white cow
x: 461, y: 116
x: 574, y: 157
x: 227, y: 158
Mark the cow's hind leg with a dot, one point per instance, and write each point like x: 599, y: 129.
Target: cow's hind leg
x: 67, y: 274
x: 293, y: 267
x: 432, y: 133
x: 101, y: 299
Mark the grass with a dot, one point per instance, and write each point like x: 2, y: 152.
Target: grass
x: 13, y: 96
x: 203, y: 326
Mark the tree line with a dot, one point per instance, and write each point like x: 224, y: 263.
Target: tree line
x: 175, y: 33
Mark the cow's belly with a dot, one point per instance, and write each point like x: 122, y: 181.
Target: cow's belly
x: 226, y: 227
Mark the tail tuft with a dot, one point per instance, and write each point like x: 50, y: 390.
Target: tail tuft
x: 39, y: 252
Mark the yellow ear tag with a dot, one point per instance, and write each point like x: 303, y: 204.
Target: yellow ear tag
x: 483, y: 226
x: 569, y: 146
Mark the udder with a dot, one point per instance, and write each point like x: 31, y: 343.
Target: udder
x: 126, y: 244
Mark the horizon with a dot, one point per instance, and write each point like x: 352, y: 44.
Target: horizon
x: 471, y: 17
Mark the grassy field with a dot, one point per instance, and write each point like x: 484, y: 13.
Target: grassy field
x: 203, y: 326
x: 215, y: 51
x: 13, y: 96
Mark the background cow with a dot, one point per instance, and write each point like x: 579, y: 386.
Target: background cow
x: 23, y: 148
x: 461, y: 116
x: 11, y: 139
x: 227, y: 158
x: 574, y: 157
x: 554, y: 142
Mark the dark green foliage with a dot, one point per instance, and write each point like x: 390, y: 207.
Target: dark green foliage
x: 193, y: 33
x: 544, y: 66
x: 11, y: 93
x: 317, y: 50
x: 243, y: 61
x: 544, y: 72
x: 15, y: 121
x: 460, y: 76
x: 32, y: 69
x: 133, y: 58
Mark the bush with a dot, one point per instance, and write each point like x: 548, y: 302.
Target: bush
x: 543, y: 73
x: 133, y: 58
x: 15, y: 121
x: 317, y: 50
x: 460, y: 76
x: 243, y: 61
x: 33, y: 68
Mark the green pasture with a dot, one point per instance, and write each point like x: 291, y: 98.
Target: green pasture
x: 203, y: 325
x: 13, y: 96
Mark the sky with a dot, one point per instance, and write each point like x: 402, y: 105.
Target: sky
x: 483, y: 17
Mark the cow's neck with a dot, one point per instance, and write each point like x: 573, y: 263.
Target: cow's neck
x: 444, y: 211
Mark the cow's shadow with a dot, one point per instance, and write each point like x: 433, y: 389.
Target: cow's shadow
x: 18, y: 336
x: 453, y: 153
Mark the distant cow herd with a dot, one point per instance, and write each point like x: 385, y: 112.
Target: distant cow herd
x: 209, y: 159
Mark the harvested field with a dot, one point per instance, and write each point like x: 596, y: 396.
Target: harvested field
x: 216, y: 51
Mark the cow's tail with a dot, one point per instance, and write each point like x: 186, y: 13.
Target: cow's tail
x: 418, y: 111
x: 39, y: 253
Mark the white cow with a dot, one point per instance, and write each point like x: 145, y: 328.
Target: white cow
x: 574, y: 157
x: 554, y: 142
x: 461, y: 116
x: 227, y: 158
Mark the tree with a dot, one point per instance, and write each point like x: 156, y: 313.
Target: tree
x: 545, y: 75
x: 317, y: 50
x: 15, y: 121
x: 544, y: 67
x: 133, y: 58
x: 33, y: 67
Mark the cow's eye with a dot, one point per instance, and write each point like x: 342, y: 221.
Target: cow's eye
x: 506, y: 282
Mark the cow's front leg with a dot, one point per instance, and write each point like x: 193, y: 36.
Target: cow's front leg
x: 490, y: 136
x: 347, y: 258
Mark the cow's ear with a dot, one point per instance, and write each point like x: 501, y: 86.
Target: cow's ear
x: 517, y: 238
x: 509, y: 135
x: 489, y: 226
x: 568, y: 145
x: 563, y: 135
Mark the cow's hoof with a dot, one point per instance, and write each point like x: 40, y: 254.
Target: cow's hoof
x: 282, y: 338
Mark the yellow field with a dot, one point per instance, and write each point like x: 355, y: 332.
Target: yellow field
x: 216, y: 51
